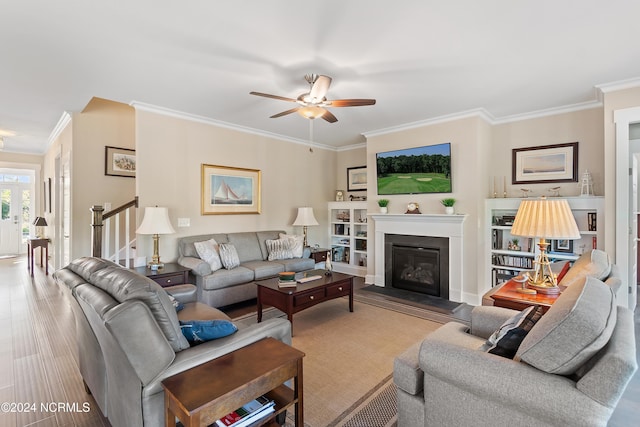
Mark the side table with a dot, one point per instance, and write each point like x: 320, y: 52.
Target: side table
x: 201, y: 395
x: 43, y: 244
x: 319, y: 254
x: 507, y: 296
x: 171, y: 274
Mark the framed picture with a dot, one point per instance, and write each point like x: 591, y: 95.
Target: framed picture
x: 562, y: 245
x: 547, y: 163
x: 119, y: 162
x: 49, y: 194
x: 44, y: 196
x: 229, y: 190
x: 357, y: 178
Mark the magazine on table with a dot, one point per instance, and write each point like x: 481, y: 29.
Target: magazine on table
x: 248, y: 413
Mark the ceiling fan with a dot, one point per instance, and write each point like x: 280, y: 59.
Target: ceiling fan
x: 314, y: 103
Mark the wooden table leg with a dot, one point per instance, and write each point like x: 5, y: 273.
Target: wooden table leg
x: 259, y: 308
x: 46, y: 260
x: 30, y: 259
x: 299, y: 406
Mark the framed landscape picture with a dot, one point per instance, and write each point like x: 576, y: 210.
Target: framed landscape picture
x: 357, y: 178
x: 230, y: 190
x: 547, y: 163
x: 120, y: 162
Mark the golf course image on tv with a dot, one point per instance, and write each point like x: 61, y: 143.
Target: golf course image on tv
x: 415, y: 170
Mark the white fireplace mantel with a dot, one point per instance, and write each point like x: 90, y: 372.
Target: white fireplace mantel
x: 433, y: 225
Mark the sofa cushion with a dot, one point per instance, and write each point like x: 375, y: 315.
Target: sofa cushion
x: 201, y: 311
x: 199, y: 331
x: 225, y: 278
x: 279, y: 249
x: 574, y: 328
x: 297, y: 244
x: 247, y: 245
x: 264, y: 269
x: 297, y: 264
x: 594, y: 263
x: 229, y: 256
x: 208, y: 251
x: 124, y: 285
x: 508, y: 337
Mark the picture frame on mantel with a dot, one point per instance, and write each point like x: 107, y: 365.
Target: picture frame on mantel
x: 357, y: 178
x: 545, y: 164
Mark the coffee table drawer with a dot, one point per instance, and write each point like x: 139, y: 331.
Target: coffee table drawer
x: 338, y: 289
x: 309, y: 298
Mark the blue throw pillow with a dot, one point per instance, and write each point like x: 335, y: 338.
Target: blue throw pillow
x: 199, y: 331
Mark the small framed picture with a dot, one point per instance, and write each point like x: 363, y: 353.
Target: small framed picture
x: 357, y: 178
x: 562, y: 245
x: 119, y: 162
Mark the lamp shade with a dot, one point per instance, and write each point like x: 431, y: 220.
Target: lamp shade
x: 305, y: 217
x: 545, y: 218
x: 40, y: 221
x: 155, y: 221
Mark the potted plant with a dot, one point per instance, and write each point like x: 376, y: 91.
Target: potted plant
x: 383, y: 205
x: 448, y: 205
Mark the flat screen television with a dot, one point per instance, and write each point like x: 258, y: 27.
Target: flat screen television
x: 416, y: 170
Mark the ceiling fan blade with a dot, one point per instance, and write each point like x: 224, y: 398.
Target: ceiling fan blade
x: 266, y: 95
x: 284, y: 113
x: 350, y: 102
x: 320, y: 88
x: 328, y: 116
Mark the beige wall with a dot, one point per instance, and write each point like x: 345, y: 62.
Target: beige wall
x: 171, y: 151
x: 350, y: 158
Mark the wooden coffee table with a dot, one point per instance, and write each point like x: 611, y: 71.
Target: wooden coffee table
x: 201, y: 395
x: 304, y: 295
x: 507, y: 296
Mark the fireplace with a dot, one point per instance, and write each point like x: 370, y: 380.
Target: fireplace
x: 418, y: 264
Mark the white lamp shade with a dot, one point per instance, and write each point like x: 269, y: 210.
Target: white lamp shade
x: 305, y: 217
x: 545, y: 218
x: 155, y: 221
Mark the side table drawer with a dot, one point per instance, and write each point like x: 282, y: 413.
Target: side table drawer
x: 308, y: 298
x: 338, y: 289
x: 169, y: 280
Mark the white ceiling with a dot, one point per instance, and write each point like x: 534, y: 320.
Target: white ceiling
x: 420, y: 59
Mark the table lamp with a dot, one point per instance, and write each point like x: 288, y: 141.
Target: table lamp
x: 545, y: 219
x: 305, y: 218
x: 40, y: 222
x: 155, y: 222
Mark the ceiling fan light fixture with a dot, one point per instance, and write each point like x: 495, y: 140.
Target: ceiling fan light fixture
x: 311, y: 112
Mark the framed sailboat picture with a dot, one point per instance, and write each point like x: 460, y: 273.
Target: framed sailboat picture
x: 230, y: 190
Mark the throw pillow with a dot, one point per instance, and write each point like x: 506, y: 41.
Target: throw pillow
x: 229, y: 256
x: 279, y: 249
x: 297, y: 244
x: 199, y: 331
x: 594, y: 263
x: 208, y: 252
x: 563, y: 272
x: 506, y: 340
x: 176, y: 304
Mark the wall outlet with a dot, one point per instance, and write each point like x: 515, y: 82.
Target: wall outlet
x: 184, y: 222
x: 107, y: 206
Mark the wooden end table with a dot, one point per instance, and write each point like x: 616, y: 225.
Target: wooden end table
x: 507, y: 296
x: 304, y: 295
x: 170, y: 275
x: 43, y: 244
x: 201, y: 395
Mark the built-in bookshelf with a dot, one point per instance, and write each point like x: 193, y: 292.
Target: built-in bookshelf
x: 509, y: 255
x: 349, y: 237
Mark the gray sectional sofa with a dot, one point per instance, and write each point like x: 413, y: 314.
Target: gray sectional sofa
x: 223, y: 287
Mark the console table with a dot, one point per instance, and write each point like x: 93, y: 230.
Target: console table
x: 43, y: 244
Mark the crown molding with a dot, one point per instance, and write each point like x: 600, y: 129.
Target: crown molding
x: 57, y: 130
x: 619, y: 85
x: 549, y: 112
x: 205, y: 120
x: 351, y: 147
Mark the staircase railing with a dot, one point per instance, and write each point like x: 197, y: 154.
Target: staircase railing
x: 101, y: 232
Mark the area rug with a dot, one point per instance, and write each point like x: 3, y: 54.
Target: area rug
x: 349, y: 357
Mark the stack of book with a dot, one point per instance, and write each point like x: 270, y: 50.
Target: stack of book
x: 248, y: 414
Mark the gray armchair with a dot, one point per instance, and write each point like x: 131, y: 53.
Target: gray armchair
x: 570, y: 370
x: 129, y: 337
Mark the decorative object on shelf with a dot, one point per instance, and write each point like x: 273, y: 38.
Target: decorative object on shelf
x: 513, y: 245
x: 383, y: 203
x: 328, y: 268
x: 555, y: 191
x: 547, y: 163
x: 413, y: 208
x: 230, y: 190
x: 525, y: 192
x: 339, y: 195
x: 305, y: 218
x: 40, y: 222
x: 448, y: 205
x: 353, y: 198
x: 586, y: 186
x: 119, y: 162
x: 546, y: 219
x: 357, y: 178
x: 562, y: 246
x: 156, y: 221
x: 523, y: 279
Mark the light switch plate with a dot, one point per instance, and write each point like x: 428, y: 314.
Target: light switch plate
x: 184, y: 222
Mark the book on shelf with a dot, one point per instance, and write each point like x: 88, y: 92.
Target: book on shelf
x: 592, y: 221
x: 249, y: 413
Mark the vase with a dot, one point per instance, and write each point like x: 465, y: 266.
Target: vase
x: 383, y: 209
x: 449, y: 210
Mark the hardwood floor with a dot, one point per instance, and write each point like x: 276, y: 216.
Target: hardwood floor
x: 38, y: 369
